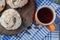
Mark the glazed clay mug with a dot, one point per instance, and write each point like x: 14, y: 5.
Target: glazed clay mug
x: 45, y: 15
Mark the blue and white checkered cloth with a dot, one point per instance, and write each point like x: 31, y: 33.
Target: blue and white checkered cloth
x: 41, y: 33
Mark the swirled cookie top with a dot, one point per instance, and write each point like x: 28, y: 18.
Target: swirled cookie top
x: 2, y: 5
x: 11, y: 19
x: 16, y: 3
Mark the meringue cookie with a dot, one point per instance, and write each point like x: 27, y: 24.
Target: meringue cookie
x: 2, y: 5
x: 16, y: 3
x: 11, y: 19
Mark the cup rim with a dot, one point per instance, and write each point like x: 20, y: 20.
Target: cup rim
x: 54, y: 14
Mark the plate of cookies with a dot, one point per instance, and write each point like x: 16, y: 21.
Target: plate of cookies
x: 15, y: 15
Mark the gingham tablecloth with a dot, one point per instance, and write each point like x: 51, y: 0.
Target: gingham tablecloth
x: 37, y: 32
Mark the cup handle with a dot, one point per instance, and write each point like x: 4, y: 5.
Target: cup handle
x: 51, y: 27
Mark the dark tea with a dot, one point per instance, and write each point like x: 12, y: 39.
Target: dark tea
x: 45, y: 15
